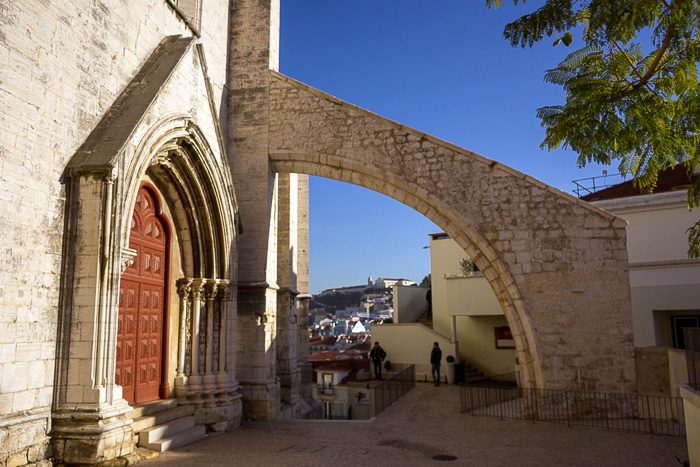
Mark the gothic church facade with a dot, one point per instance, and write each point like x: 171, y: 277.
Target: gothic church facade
x: 124, y: 280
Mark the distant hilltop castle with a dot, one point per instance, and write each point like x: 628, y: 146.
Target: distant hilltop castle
x: 380, y: 283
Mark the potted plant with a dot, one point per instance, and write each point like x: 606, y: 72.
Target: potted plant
x: 450, y: 372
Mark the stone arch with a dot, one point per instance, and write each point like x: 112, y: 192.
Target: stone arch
x: 557, y: 265
x: 175, y: 154
x: 432, y: 208
x: 185, y: 170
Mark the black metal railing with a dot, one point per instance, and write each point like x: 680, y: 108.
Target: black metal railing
x: 585, y: 186
x: 402, y: 380
x: 612, y: 411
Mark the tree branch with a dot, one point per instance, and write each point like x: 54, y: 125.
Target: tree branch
x: 659, y: 55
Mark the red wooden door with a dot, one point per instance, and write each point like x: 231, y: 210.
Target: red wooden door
x: 141, y: 312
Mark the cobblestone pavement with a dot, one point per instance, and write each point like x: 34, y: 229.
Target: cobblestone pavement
x: 424, y: 424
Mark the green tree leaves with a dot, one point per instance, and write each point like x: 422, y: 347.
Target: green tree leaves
x: 632, y: 91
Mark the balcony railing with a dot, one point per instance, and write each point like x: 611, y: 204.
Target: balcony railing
x: 585, y: 186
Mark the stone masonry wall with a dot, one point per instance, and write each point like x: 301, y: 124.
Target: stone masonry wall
x: 62, y: 64
x: 254, y: 51
x: 557, y: 265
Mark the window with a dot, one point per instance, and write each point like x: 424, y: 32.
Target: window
x: 327, y: 383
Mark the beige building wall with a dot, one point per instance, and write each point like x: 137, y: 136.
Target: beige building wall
x: 663, y: 280
x: 445, y: 256
x: 471, y: 295
x: 411, y: 344
x: 472, y: 301
x: 409, y: 303
x: 691, y: 408
x: 477, y: 344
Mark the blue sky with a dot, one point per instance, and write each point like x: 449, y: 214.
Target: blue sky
x: 444, y: 69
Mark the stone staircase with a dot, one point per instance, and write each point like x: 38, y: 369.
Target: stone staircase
x: 426, y: 319
x: 163, y: 425
x: 472, y: 374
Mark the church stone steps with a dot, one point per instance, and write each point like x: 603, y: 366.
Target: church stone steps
x: 162, y: 425
x: 166, y: 430
x: 148, y: 408
x: 182, y: 438
x: 158, y: 418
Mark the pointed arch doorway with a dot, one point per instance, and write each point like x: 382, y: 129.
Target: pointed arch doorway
x: 141, y: 330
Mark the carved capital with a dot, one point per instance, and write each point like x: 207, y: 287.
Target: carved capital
x: 210, y: 289
x: 184, y: 287
x: 127, y: 259
x: 224, y: 293
x: 197, y: 287
x: 110, y: 176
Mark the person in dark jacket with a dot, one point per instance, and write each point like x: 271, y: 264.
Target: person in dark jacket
x: 435, y: 361
x: 377, y: 355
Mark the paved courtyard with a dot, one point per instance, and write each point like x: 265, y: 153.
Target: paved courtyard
x: 423, y: 424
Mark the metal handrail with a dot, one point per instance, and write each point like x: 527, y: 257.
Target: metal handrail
x: 393, y: 388
x: 593, y: 184
x: 658, y: 415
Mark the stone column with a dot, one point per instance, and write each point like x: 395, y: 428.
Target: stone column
x: 204, y: 375
x: 303, y: 364
x: 303, y: 233
x: 223, y: 378
x: 208, y: 378
x: 195, y: 375
x: 254, y: 52
x: 287, y: 248
x: 183, y: 291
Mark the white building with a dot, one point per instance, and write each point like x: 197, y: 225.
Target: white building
x: 665, y: 283
x: 383, y: 283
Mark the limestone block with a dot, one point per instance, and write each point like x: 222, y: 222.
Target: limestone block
x: 5, y: 406
x: 19, y: 458
x: 14, y: 377
x: 28, y: 352
x: 44, y: 397
x: 36, y: 377
x: 24, y: 400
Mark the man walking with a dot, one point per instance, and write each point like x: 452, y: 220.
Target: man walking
x: 377, y: 355
x: 435, y: 361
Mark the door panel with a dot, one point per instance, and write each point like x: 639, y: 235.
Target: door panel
x: 141, y: 301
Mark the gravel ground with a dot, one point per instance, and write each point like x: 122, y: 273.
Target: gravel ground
x: 423, y: 424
